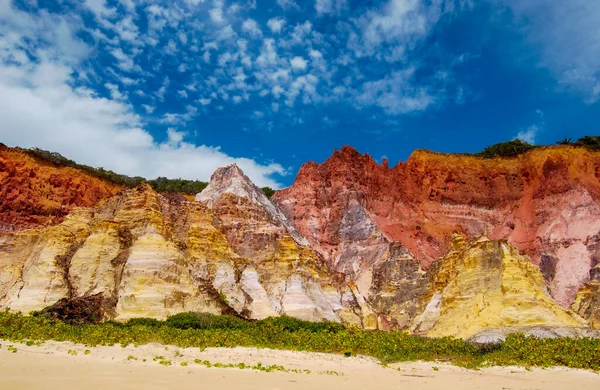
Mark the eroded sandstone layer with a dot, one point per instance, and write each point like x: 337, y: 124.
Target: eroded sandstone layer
x: 351, y: 241
x: 36, y: 192
x: 546, y: 202
x: 154, y: 256
x: 487, y: 285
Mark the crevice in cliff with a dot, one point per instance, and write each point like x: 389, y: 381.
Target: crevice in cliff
x: 64, y: 263
x: 126, y: 240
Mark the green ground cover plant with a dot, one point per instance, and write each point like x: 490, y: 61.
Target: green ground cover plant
x: 205, y: 330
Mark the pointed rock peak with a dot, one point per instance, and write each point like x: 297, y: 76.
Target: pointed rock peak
x: 348, y: 158
x: 349, y: 151
x: 346, y: 153
x: 227, y: 173
x: 231, y: 179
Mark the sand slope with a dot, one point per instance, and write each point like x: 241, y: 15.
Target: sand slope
x: 52, y: 367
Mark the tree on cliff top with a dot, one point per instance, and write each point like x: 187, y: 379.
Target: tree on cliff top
x: 589, y: 141
x: 510, y: 148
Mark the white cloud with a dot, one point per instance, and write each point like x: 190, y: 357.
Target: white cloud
x: 172, y: 118
x: 114, y: 91
x: 298, y: 63
x: 149, y: 109
x: 127, y: 81
x: 204, y: 101
x: 288, y: 4
x: 170, y: 48
x: 567, y: 34
x: 100, y: 8
x: 124, y: 62
x: 194, y: 3
x: 400, y: 24
x: 40, y: 106
x: 301, y: 31
x: 128, y: 4
x: 127, y: 29
x: 396, y: 94
x: 329, y: 6
x: 226, y: 33
x: 175, y: 137
x: 528, y: 135
x: 182, y: 37
x: 216, y: 15
x: 268, y: 55
x: 276, y: 25
x: 315, y: 54
x: 303, y: 85
x: 251, y: 27
x: 277, y: 91
x: 160, y: 94
x: 183, y: 93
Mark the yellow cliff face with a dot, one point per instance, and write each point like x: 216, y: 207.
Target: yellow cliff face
x: 587, y: 303
x: 152, y: 256
x: 487, y: 284
x: 35, y: 263
x: 232, y: 251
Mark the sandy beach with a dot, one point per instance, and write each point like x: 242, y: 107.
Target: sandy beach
x: 69, y: 366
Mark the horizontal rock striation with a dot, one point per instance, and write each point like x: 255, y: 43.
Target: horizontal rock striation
x: 35, y: 192
x: 487, y: 285
x: 546, y: 202
x: 351, y: 241
x: 154, y: 256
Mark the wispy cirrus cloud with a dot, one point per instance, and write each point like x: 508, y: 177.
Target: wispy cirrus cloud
x: 566, y: 35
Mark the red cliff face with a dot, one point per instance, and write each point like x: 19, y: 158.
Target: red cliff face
x: 546, y: 202
x: 35, y: 192
x: 350, y: 241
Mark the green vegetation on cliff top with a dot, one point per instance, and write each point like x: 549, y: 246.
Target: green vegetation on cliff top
x: 516, y: 147
x: 161, y: 184
x: 191, y: 187
x: 205, y: 330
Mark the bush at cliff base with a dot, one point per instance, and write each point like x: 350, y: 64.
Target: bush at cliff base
x: 205, y: 330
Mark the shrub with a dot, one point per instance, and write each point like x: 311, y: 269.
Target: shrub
x: 565, y: 141
x: 180, y: 186
x: 503, y: 149
x: 206, y: 321
x: 151, y: 322
x: 589, y: 141
x: 268, y: 191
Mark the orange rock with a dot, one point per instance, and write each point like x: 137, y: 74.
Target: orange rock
x: 35, y: 192
x: 546, y: 202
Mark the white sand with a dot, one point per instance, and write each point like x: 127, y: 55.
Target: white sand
x: 50, y: 366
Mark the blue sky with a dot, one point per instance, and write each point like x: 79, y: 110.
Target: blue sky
x: 178, y: 88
